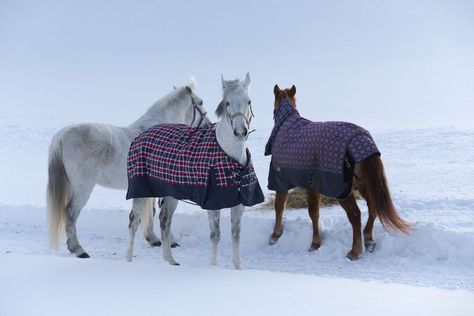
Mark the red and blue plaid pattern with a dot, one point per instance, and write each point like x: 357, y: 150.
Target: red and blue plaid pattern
x: 181, y: 155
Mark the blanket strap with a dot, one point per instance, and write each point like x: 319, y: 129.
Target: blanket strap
x: 348, y: 164
x: 162, y: 200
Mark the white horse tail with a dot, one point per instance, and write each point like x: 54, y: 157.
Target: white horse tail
x: 148, y: 216
x: 57, y: 192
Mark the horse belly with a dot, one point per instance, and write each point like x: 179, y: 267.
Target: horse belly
x: 114, y: 176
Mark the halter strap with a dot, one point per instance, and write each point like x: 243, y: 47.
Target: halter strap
x: 247, y: 120
x: 202, y: 114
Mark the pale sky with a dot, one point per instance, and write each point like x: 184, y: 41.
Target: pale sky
x: 381, y: 64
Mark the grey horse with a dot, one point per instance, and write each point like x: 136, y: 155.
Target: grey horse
x: 83, y: 155
x: 231, y: 132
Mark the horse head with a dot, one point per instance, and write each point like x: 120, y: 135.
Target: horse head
x: 199, y: 112
x: 196, y: 115
x: 284, y: 94
x: 236, y: 106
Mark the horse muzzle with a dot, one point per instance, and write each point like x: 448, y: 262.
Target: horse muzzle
x: 241, y: 132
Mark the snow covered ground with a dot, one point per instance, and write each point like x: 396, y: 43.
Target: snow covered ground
x: 430, y: 272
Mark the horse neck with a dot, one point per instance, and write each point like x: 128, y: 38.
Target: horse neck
x: 229, y: 143
x: 169, y: 110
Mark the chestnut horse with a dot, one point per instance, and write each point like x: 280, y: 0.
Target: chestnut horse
x: 367, y: 176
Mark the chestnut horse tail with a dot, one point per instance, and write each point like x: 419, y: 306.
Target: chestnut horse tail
x: 379, y: 196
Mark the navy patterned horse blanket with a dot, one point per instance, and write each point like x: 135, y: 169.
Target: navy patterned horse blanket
x: 188, y: 164
x: 315, y: 155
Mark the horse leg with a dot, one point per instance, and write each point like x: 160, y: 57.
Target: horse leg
x: 314, y: 199
x: 148, y: 218
x: 77, y: 202
x: 236, y: 215
x: 214, y: 216
x: 173, y: 241
x: 138, y: 206
x: 150, y: 235
x: 73, y: 244
x: 369, y: 241
x: 280, y: 200
x: 166, y: 215
x: 353, y: 213
x: 361, y: 184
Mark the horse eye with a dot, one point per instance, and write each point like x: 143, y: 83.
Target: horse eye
x: 227, y: 103
x: 250, y: 102
x: 200, y: 102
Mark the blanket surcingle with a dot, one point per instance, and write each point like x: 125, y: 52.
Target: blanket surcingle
x: 315, y: 155
x: 188, y: 164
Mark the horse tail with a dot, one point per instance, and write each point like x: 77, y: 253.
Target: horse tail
x: 57, y: 196
x: 379, y: 196
x: 148, y: 215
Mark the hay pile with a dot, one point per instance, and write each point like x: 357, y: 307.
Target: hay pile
x: 297, y: 199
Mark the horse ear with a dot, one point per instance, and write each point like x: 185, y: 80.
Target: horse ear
x: 292, y: 91
x: 220, y: 109
x: 192, y: 83
x: 247, y: 81
x: 276, y: 89
x: 223, y: 82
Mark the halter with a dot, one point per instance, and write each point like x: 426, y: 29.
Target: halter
x: 231, y: 117
x: 202, y: 114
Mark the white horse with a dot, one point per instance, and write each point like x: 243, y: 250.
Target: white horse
x: 232, y: 131
x: 83, y: 155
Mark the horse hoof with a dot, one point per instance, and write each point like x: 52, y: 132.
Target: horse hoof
x: 274, y: 238
x: 370, y: 246
x: 156, y: 243
x: 314, y: 246
x: 84, y: 255
x: 174, y: 264
x: 175, y: 244
x: 353, y: 256
x: 272, y: 241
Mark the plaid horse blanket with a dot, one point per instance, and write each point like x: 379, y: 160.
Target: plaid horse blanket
x: 188, y: 164
x: 315, y: 155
